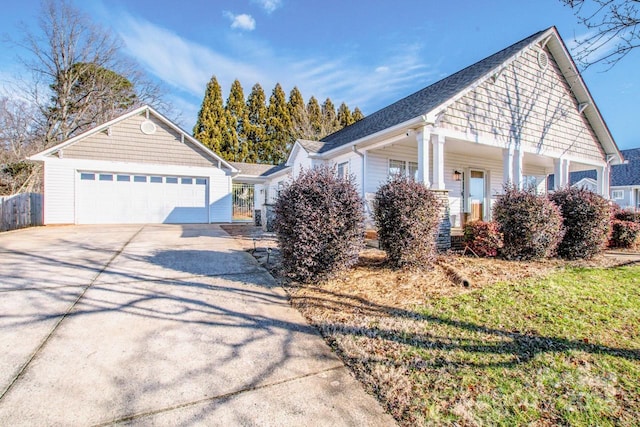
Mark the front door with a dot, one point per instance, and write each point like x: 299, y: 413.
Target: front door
x: 477, y: 195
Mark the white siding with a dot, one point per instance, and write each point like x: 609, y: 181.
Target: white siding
x: 355, y: 166
x: 60, y: 192
x: 59, y: 187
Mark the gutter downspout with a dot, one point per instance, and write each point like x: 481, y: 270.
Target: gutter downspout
x: 364, y: 164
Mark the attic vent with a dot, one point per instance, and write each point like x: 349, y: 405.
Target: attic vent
x: 147, y: 127
x: 543, y: 60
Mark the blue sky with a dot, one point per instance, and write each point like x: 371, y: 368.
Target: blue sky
x: 367, y: 53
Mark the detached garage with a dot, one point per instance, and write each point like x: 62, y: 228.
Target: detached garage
x: 138, y: 168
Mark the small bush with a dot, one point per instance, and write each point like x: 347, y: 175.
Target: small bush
x: 586, y: 221
x: 624, y: 234
x: 624, y: 214
x: 407, y: 215
x: 319, y: 223
x: 531, y: 225
x: 483, y: 238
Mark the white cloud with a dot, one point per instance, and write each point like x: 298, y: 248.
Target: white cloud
x: 188, y: 66
x: 602, y: 46
x: 241, y: 22
x: 269, y: 5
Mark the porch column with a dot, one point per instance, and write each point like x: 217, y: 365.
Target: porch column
x: 606, y: 176
x: 438, y: 161
x: 518, y: 158
x: 557, y: 174
x: 422, y: 137
x: 507, y: 166
x: 566, y: 177
x: 600, y: 181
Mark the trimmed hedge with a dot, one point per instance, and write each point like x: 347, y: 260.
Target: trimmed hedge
x: 483, y: 238
x: 319, y: 222
x: 531, y: 224
x: 624, y: 234
x: 586, y: 221
x: 407, y: 215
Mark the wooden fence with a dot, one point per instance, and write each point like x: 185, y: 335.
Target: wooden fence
x: 20, y: 210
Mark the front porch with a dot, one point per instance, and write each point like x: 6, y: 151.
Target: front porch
x: 471, y: 174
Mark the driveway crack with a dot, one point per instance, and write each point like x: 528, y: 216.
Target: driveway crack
x: 46, y: 339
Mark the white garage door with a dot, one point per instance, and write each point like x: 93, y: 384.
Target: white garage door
x: 117, y: 198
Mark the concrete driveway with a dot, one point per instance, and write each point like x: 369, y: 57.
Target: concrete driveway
x: 159, y: 325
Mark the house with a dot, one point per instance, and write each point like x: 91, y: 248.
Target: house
x: 625, y: 180
x: 517, y: 116
x: 137, y: 168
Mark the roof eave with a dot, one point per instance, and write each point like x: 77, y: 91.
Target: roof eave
x: 362, y: 142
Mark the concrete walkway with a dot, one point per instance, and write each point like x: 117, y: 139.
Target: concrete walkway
x: 159, y: 325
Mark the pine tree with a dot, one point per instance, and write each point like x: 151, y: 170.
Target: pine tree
x: 357, y: 115
x: 300, y: 125
x: 255, y: 127
x: 345, y: 118
x: 278, y: 138
x: 315, y: 118
x: 329, y: 120
x: 211, y: 118
x: 235, y: 147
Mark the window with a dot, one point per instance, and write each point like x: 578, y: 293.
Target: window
x: 343, y: 170
x: 187, y: 180
x: 617, y: 194
x: 106, y: 177
x: 401, y: 167
x: 123, y: 178
x: 529, y: 182
x: 88, y: 176
x: 171, y: 180
x: 413, y: 170
x: 155, y: 179
x: 397, y: 167
x: 139, y: 178
x: 201, y: 181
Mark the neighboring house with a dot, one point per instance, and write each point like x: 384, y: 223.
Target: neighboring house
x: 625, y: 180
x: 517, y: 117
x: 138, y: 168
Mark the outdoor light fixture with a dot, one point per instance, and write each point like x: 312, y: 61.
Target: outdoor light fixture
x: 457, y: 176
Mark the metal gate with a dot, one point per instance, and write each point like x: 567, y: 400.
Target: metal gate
x: 243, y: 202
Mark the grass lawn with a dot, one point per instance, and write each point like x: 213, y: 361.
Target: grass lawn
x: 559, y: 347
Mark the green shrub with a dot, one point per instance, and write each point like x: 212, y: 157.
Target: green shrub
x: 483, y: 238
x: 407, y: 215
x: 586, y: 221
x: 624, y: 234
x: 319, y: 223
x: 531, y: 224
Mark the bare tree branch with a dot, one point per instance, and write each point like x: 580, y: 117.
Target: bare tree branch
x: 613, y: 34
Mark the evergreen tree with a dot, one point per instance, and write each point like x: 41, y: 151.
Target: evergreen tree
x: 315, y: 118
x: 255, y: 125
x: 237, y: 149
x: 212, y: 118
x: 357, y: 115
x: 329, y: 119
x: 301, y: 126
x: 278, y: 139
x: 344, y: 116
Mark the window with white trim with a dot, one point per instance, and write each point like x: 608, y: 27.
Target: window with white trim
x: 402, y: 167
x: 617, y: 194
x: 343, y: 170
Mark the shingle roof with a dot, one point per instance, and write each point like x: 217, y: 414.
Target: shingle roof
x: 577, y: 176
x: 627, y: 174
x: 424, y: 100
x: 311, y: 146
x: 256, y: 169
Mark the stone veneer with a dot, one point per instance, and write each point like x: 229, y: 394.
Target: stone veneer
x: 443, y: 242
